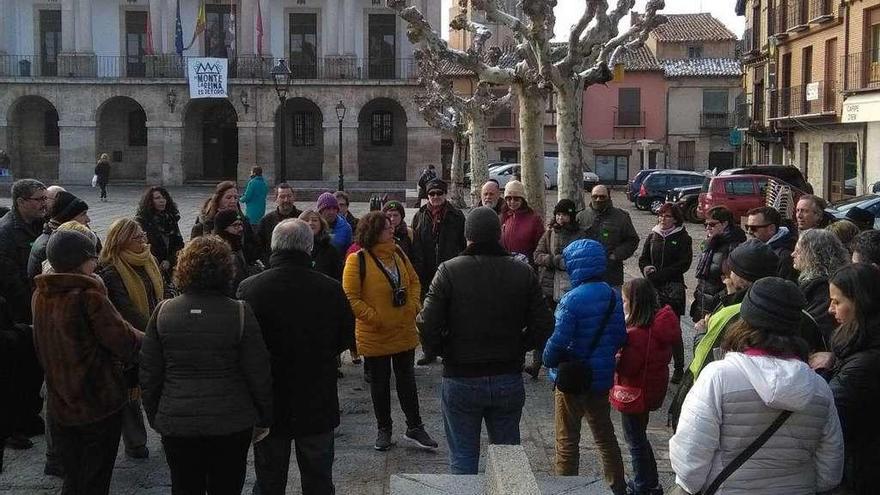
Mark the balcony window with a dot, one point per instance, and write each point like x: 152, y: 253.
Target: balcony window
x: 135, y: 43
x: 629, y: 106
x: 304, y: 45
x: 382, y: 131
x: 715, y: 111
x: 220, y: 31
x: 382, y: 46
x: 50, y: 41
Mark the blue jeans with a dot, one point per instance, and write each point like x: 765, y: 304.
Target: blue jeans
x: 466, y: 402
x: 643, y: 464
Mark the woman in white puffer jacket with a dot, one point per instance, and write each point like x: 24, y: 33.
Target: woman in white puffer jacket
x: 736, y: 399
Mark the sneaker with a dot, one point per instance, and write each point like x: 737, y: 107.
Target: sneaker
x: 141, y: 452
x: 677, y: 375
x: 19, y: 442
x: 533, y: 369
x: 54, y: 469
x: 383, y: 440
x: 420, y: 437
x: 426, y: 360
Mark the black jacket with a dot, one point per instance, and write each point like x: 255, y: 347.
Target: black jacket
x: 202, y: 373
x: 671, y: 256
x: 783, y: 246
x: 251, y: 246
x: 16, y: 237
x: 815, y: 291
x: 102, y: 170
x: 267, y: 225
x: 613, y: 228
x: 163, y: 246
x: 484, y: 310
x: 855, y: 382
x: 326, y: 258
x: 428, y: 250
x: 710, y: 289
x: 118, y: 295
x: 306, y: 322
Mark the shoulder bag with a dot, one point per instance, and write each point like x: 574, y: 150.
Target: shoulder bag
x: 626, y: 398
x: 574, y: 376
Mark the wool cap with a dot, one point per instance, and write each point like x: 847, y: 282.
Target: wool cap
x: 482, y: 225
x: 514, y: 189
x: 326, y: 200
x: 396, y: 206
x: 754, y: 260
x: 67, y: 250
x: 566, y: 206
x: 224, y: 219
x: 67, y: 207
x: 437, y: 184
x: 774, y: 305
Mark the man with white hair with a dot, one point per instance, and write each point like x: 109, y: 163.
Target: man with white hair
x: 490, y: 196
x: 306, y: 322
x: 51, y: 192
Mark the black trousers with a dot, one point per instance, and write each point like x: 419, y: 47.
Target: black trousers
x: 88, y: 454
x: 215, y: 465
x: 379, y: 370
x: 28, y: 381
x: 314, y: 457
x: 103, y: 186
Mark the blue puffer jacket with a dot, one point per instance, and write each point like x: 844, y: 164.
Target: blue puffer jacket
x: 580, y: 313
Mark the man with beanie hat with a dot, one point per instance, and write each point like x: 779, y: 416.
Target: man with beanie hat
x: 483, y: 308
x: 340, y: 230
x: 66, y: 207
x: 84, y: 381
x: 438, y: 236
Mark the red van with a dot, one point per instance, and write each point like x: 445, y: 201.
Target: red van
x: 739, y: 193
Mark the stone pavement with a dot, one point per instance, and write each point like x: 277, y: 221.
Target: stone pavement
x: 358, y: 469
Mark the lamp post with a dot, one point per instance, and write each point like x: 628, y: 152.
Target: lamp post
x: 281, y: 81
x: 340, y: 115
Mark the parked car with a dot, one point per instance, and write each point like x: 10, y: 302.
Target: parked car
x: 867, y: 202
x: 632, y: 189
x: 551, y: 170
x: 739, y: 193
x: 507, y: 173
x: 652, y: 191
x: 686, y: 198
x: 787, y: 173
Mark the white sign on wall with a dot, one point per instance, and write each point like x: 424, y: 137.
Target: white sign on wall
x: 812, y: 91
x: 207, y: 77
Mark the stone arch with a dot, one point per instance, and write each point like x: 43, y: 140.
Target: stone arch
x: 382, y: 141
x: 122, y: 133
x: 303, y: 140
x: 34, y: 138
x: 210, y: 140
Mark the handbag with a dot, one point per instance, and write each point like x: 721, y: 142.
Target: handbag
x: 95, y: 180
x: 626, y: 398
x: 573, y: 376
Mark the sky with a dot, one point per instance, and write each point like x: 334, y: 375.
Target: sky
x: 569, y: 11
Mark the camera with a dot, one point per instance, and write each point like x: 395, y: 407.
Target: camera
x: 398, y: 297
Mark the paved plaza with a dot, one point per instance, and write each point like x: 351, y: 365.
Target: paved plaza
x: 358, y: 469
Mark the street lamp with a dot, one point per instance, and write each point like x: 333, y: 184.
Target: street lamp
x: 340, y: 114
x: 281, y: 81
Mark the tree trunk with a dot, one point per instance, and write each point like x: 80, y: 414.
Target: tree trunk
x: 478, y: 129
x: 531, y: 145
x: 569, y: 105
x: 456, y: 190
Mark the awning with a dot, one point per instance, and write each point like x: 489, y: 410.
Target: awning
x: 861, y: 108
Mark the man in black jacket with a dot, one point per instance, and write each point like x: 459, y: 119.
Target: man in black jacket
x: 438, y: 236
x: 284, y: 209
x: 765, y: 224
x: 613, y: 228
x: 306, y: 321
x: 484, y: 310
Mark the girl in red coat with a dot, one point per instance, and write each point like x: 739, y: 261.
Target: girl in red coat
x: 643, y: 364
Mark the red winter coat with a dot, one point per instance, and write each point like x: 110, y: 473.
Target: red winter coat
x: 665, y: 332
x: 521, y: 230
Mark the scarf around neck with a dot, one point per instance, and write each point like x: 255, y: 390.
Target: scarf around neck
x: 437, y: 214
x: 125, y: 265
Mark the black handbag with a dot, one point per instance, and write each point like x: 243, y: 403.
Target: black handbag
x: 573, y: 376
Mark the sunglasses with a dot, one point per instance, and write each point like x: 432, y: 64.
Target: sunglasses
x: 436, y: 193
x: 753, y: 228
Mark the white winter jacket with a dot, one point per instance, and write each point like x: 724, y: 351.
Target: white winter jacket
x: 732, y: 402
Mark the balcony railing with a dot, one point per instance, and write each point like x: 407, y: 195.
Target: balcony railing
x: 629, y: 119
x: 715, y: 120
x: 794, y: 102
x: 862, y: 70
x: 78, y: 66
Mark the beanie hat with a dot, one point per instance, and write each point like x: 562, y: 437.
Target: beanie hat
x: 67, y: 250
x: 437, y: 184
x: 396, y: 206
x: 482, y: 225
x: 514, y: 189
x: 67, y: 207
x: 774, y: 305
x: 566, y: 206
x: 224, y: 219
x: 753, y: 260
x: 326, y: 200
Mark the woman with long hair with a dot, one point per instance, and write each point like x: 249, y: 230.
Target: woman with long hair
x: 225, y: 198
x: 157, y: 214
x: 762, y: 386
x: 135, y: 286
x: 521, y: 227
x: 206, y: 374
x: 817, y: 254
x: 325, y: 258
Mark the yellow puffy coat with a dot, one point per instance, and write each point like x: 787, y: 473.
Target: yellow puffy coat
x: 382, y: 329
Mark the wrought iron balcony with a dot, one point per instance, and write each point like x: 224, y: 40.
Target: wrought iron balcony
x: 862, y: 70
x: 715, y: 120
x: 812, y: 99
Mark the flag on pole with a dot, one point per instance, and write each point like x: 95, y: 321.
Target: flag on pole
x: 148, y: 50
x: 178, y: 32
x: 201, y: 24
x: 259, y: 30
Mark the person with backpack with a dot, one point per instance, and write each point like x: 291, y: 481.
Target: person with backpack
x: 383, y: 289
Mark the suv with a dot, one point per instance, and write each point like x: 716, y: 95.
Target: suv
x: 632, y: 189
x: 739, y: 193
x: 653, y: 189
x: 686, y: 199
x: 786, y: 173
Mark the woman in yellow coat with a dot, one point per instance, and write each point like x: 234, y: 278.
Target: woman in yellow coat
x: 383, y: 288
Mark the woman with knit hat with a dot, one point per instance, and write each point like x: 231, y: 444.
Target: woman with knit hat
x: 341, y: 234
x: 562, y: 230
x: 762, y: 383
x: 135, y: 286
x: 521, y: 227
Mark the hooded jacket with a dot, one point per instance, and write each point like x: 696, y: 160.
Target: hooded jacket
x: 580, y: 313
x: 736, y: 399
x: 782, y: 243
x: 654, y: 353
x: 341, y: 234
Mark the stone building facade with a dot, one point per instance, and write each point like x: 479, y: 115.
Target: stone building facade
x: 79, y: 78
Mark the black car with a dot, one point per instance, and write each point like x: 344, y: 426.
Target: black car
x: 652, y: 192
x: 686, y: 198
x: 867, y: 202
x: 632, y: 190
x: 789, y: 174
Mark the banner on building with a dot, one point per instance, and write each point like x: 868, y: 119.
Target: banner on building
x: 812, y: 91
x: 207, y: 77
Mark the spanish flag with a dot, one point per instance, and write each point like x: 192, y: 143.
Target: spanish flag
x: 201, y: 24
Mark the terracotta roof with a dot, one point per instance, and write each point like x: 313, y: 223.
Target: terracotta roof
x: 692, y: 27
x: 702, y: 67
x: 640, y: 60
x: 507, y: 61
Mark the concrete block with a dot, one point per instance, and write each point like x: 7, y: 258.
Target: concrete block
x: 565, y: 485
x: 437, y: 484
x: 508, y: 472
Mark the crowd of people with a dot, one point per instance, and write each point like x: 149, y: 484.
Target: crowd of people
x: 200, y: 339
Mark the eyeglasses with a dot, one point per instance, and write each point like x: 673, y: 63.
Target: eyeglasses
x: 436, y: 193
x: 711, y: 225
x: 753, y: 228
